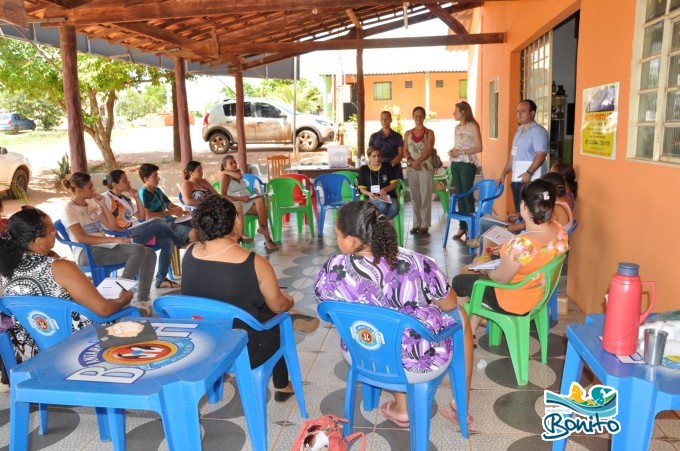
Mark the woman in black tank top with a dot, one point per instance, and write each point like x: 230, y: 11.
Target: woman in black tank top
x: 218, y: 268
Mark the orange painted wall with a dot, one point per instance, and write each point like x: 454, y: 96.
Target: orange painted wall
x: 441, y: 99
x: 626, y: 209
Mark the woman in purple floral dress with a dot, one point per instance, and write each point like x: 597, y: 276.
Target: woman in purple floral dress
x: 374, y: 270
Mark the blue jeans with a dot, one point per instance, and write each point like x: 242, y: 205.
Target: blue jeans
x: 516, y: 188
x: 389, y: 210
x: 165, y: 239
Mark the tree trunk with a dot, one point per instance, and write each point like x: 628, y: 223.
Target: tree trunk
x: 176, y: 148
x: 99, y: 131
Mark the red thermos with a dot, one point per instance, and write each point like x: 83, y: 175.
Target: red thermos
x: 622, y: 317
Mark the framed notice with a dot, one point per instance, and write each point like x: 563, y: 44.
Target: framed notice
x: 599, y: 121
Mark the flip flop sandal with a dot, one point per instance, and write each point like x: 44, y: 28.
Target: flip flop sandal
x: 270, y: 245
x: 385, y: 410
x: 304, y: 323
x: 167, y: 283
x: 452, y: 416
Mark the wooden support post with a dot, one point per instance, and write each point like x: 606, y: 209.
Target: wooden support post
x: 74, y: 108
x: 361, y: 102
x: 176, y: 148
x: 240, y: 127
x: 182, y: 112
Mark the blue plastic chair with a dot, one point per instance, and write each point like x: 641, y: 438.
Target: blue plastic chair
x: 48, y: 321
x: 488, y: 192
x: 181, y: 201
x: 332, y: 186
x: 255, y: 184
x: 98, y: 272
x: 191, y: 307
x: 552, y: 303
x: 376, y: 363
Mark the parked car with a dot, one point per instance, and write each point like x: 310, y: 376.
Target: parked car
x: 15, y: 173
x: 266, y: 121
x: 15, y: 122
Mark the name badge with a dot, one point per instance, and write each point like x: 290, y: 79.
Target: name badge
x: 375, y: 189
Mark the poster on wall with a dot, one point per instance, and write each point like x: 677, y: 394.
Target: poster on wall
x: 600, y: 118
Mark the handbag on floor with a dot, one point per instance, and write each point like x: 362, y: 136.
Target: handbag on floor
x: 325, y: 433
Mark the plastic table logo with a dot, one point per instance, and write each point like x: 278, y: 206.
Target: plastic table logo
x: 595, y: 412
x: 367, y: 335
x: 42, y: 323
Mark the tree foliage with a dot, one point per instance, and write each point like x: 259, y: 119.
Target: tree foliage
x: 134, y: 103
x: 308, y: 95
x: 47, y: 113
x: 35, y: 72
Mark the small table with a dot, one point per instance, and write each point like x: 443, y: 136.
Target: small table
x: 168, y: 375
x: 314, y: 170
x: 643, y: 390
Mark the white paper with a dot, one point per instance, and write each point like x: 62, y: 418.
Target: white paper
x: 253, y: 196
x: 110, y: 289
x: 495, y: 219
x: 386, y: 199
x: 520, y: 167
x: 184, y: 218
x: 107, y: 245
x: 491, y: 264
x: 498, y: 235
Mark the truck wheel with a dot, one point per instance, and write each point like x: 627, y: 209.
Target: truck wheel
x: 219, y: 143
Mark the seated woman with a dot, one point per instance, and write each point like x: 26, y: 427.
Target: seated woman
x: 128, y: 211
x: 370, y: 257
x: 218, y: 268
x: 377, y: 181
x: 521, y: 255
x: 567, y: 171
x: 27, y: 269
x: 194, y: 187
x: 234, y: 188
x: 85, y: 217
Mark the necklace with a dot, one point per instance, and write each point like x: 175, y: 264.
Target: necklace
x: 218, y: 253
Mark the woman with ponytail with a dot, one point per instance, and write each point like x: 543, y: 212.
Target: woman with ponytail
x: 27, y: 269
x: 373, y: 270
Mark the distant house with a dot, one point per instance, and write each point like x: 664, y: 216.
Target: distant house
x: 433, y: 78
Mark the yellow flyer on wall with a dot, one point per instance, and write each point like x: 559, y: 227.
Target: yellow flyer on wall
x: 600, y: 119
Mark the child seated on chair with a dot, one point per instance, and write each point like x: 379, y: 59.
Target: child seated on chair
x: 374, y: 270
x: 520, y: 256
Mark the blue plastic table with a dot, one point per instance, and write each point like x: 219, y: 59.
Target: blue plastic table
x: 168, y: 375
x: 644, y: 390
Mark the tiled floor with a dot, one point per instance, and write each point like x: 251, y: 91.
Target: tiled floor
x: 505, y: 416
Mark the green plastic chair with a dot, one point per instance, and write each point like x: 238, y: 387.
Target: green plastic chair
x: 347, y: 193
x: 447, y: 179
x: 249, y: 221
x: 516, y: 328
x: 281, y: 191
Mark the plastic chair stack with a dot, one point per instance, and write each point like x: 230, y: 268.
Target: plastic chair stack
x: 98, y: 272
x: 373, y: 337
x: 516, y: 328
x: 192, y: 307
x: 488, y: 192
x: 332, y: 187
x: 48, y: 320
x: 282, y: 197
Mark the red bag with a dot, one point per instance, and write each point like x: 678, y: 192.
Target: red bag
x: 325, y: 433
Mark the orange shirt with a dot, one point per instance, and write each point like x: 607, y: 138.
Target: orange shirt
x: 530, y: 255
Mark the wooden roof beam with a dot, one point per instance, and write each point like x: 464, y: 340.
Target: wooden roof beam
x: 424, y: 17
x: 448, y: 19
x: 252, y: 64
x: 346, y: 44
x: 201, y: 50
x: 144, y: 10
x: 355, y: 20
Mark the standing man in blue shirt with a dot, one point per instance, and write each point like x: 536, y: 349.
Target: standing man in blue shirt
x: 529, y: 150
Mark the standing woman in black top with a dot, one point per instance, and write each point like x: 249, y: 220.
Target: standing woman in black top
x: 218, y: 268
x: 377, y: 181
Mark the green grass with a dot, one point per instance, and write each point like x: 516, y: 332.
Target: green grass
x: 31, y: 137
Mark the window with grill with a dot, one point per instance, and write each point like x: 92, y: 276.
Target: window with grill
x: 439, y: 83
x: 382, y: 90
x: 408, y: 84
x: 536, y: 77
x: 493, y: 108
x: 655, y: 82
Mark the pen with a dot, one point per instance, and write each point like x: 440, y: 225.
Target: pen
x: 121, y: 286
x: 283, y: 288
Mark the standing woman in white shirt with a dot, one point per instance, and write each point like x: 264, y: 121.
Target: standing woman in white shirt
x: 418, y: 146
x: 84, y: 217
